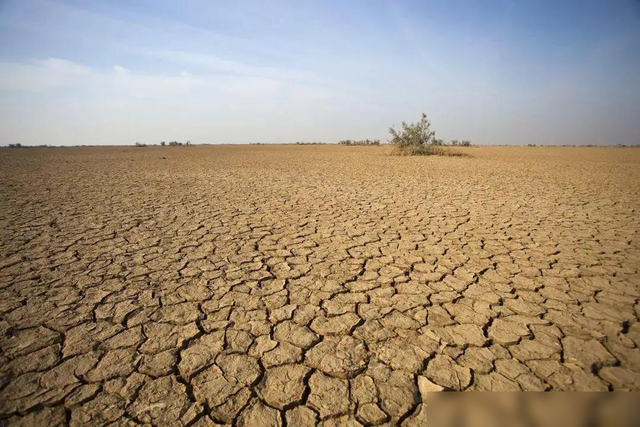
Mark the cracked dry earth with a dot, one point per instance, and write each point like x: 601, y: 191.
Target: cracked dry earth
x: 260, y: 286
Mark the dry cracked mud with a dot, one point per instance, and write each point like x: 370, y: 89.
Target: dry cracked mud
x: 259, y: 285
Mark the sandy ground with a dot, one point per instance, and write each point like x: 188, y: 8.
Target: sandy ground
x: 258, y: 285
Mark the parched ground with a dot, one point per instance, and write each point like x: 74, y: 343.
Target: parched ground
x: 259, y: 285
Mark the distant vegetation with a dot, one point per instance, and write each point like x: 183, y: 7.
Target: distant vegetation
x: 18, y: 145
x: 175, y: 143
x: 463, y: 143
x: 417, y: 139
x: 412, y: 139
x: 360, y: 142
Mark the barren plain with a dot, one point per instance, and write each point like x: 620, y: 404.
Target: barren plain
x: 305, y: 285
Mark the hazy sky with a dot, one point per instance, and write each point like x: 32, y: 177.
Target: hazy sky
x: 494, y: 72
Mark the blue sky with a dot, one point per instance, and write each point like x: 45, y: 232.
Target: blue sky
x: 494, y: 72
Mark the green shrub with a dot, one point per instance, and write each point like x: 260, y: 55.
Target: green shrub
x: 413, y: 135
x: 427, y: 150
x: 417, y: 139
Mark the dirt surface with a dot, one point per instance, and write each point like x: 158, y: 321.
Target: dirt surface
x: 261, y: 285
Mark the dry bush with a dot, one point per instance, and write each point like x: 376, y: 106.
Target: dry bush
x: 417, y: 139
x: 426, y: 150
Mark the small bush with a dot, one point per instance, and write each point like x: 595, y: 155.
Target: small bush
x: 414, y: 135
x: 163, y: 143
x: 18, y: 145
x: 417, y: 139
x: 427, y: 150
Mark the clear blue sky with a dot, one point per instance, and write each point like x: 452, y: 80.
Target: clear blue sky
x: 494, y: 72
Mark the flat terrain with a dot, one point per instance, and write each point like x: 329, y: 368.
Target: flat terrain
x: 258, y: 285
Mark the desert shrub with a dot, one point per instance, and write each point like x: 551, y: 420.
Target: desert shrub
x: 421, y: 150
x: 163, y: 143
x: 418, y: 139
x: 140, y: 145
x: 428, y: 150
x: 17, y: 145
x: 174, y: 143
x: 413, y: 135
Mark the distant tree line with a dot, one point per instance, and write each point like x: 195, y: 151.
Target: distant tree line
x: 463, y: 143
x: 360, y: 142
x: 18, y: 145
x: 175, y: 143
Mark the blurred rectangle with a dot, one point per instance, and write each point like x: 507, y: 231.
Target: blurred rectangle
x: 571, y: 409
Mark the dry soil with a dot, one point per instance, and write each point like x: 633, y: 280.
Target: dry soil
x: 262, y: 285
